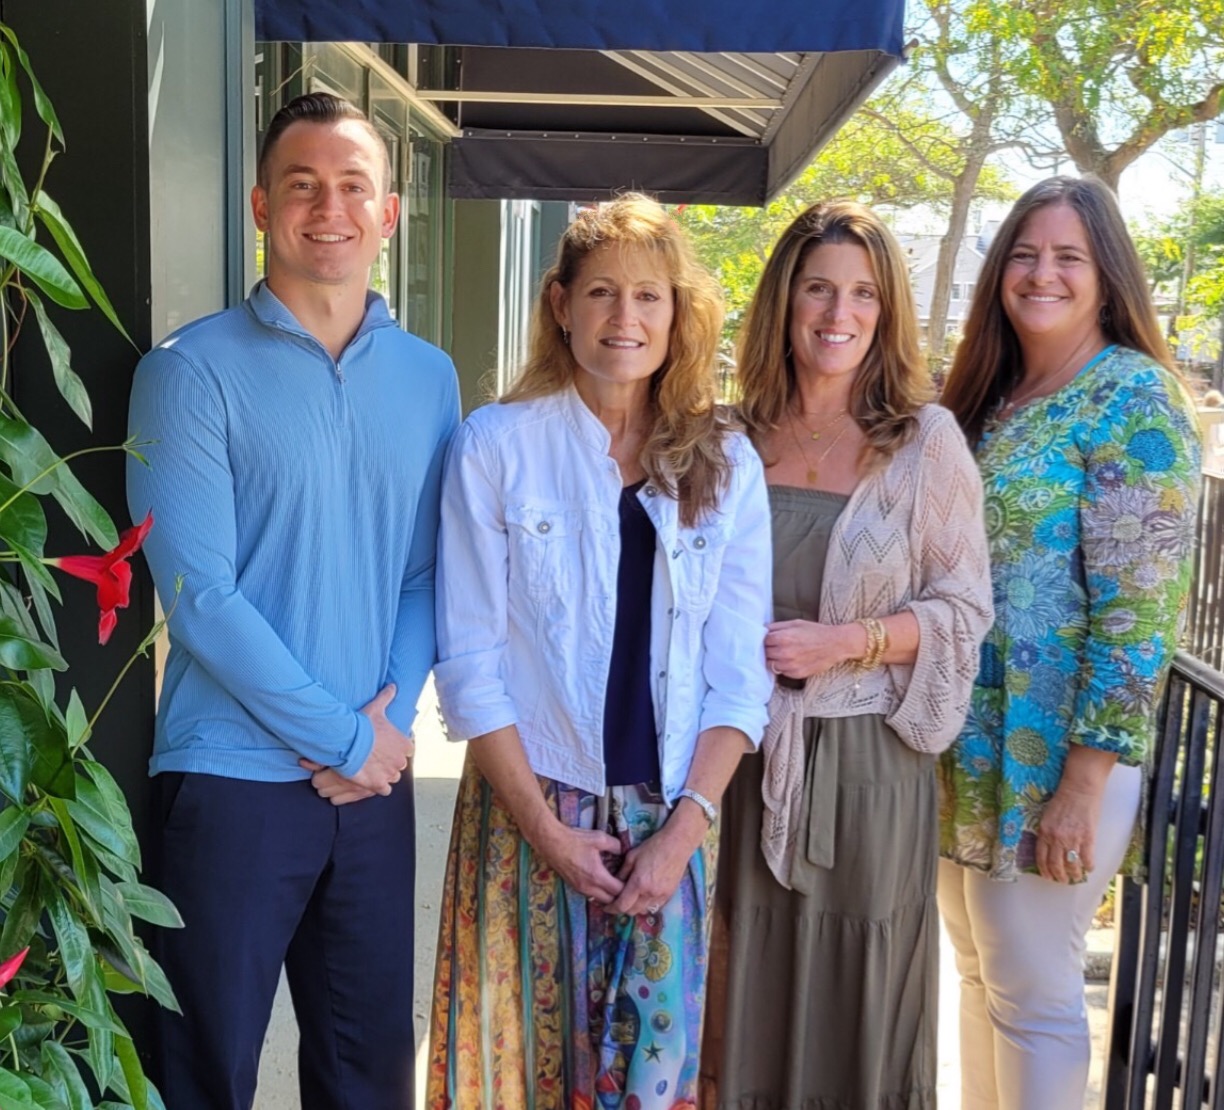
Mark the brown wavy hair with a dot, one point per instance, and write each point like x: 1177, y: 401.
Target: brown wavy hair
x: 891, y: 384
x: 988, y: 363
x: 685, y: 453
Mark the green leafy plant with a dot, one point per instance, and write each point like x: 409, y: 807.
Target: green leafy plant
x: 69, y: 862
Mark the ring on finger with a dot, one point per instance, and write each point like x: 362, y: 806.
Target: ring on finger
x: 652, y: 908
x: 1072, y: 856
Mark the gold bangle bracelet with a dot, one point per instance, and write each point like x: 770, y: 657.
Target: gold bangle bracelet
x: 877, y: 644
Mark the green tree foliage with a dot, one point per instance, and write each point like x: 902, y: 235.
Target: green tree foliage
x: 892, y: 156
x: 1117, y: 74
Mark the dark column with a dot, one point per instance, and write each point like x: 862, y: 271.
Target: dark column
x: 476, y: 241
x: 91, y: 59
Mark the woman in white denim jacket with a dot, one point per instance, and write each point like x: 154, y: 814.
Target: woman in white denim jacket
x: 603, y: 592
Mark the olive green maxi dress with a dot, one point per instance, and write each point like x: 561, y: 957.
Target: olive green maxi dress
x: 823, y: 997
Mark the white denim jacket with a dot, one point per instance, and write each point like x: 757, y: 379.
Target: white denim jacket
x: 527, y: 564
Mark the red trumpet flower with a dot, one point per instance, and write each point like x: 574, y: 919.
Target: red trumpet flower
x: 11, y: 966
x: 110, y: 573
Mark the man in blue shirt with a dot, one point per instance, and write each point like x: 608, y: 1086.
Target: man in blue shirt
x: 294, y: 481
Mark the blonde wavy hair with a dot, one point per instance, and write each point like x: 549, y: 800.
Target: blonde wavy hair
x: 893, y: 381
x: 685, y: 452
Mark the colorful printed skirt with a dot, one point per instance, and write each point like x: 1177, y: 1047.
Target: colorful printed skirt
x: 541, y: 999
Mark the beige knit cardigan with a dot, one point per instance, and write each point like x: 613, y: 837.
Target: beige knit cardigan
x: 911, y: 537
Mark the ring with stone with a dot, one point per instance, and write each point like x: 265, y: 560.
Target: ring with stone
x: 1072, y: 855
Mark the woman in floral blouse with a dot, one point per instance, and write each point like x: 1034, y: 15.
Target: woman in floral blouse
x: 1089, y: 457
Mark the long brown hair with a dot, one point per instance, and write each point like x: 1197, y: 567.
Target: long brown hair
x: 988, y: 363
x: 892, y: 382
x: 685, y: 453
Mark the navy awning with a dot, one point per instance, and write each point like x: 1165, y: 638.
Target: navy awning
x: 721, y: 102
x: 703, y: 26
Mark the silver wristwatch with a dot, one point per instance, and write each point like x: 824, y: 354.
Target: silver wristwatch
x: 707, y: 807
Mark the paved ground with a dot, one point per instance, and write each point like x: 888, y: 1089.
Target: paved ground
x: 437, y: 768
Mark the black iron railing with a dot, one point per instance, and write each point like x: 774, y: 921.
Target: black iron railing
x: 1166, y: 1037
x: 1205, y: 616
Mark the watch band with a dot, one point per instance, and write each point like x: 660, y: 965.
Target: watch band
x: 707, y: 807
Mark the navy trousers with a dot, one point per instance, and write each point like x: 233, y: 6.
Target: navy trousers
x: 267, y: 874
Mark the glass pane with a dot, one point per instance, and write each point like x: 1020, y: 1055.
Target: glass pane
x: 422, y: 286
x: 331, y: 70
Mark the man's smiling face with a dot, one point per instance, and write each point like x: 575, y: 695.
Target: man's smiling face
x: 324, y: 204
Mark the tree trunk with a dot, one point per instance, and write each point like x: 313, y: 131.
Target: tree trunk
x: 962, y: 197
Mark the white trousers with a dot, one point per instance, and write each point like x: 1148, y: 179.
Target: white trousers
x: 1020, y: 953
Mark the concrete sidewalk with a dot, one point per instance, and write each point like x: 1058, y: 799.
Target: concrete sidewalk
x: 437, y: 767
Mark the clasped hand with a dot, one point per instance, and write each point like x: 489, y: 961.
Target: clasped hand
x: 646, y: 878
x: 800, y: 649
x: 383, y: 768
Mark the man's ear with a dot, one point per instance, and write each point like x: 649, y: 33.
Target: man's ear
x: 390, y: 220
x: 259, y: 207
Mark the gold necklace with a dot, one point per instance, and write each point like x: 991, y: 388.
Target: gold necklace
x: 1044, y: 387
x: 798, y: 414
x: 813, y: 468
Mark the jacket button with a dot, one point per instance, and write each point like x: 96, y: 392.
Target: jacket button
x: 699, y: 542
x: 650, y: 491
x: 543, y: 527
x: 662, y: 674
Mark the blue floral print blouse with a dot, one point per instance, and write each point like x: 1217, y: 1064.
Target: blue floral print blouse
x: 1090, y: 500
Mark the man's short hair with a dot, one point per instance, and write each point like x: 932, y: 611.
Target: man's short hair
x: 316, y: 107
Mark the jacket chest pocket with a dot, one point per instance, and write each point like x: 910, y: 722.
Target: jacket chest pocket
x: 544, y: 543
x: 697, y: 558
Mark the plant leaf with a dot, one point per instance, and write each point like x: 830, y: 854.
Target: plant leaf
x: 42, y: 685
x: 52, y: 770
x: 13, y: 824
x: 40, y: 583
x: 23, y: 521
x: 10, y: 178
x: 133, y: 960
x: 83, y: 864
x: 77, y: 721
x: 22, y: 920
x: 10, y: 1019
x: 113, y: 863
x: 137, y: 1084
x: 42, y: 268
x: 119, y: 1086
x: 20, y: 653
x: 70, y: 246
x: 75, y: 949
x: 102, y: 813
x: 10, y: 99
x: 100, y: 1051
x: 16, y: 756
x: 45, y: 1096
x: 88, y: 1015
x: 42, y: 104
x: 149, y: 905
x: 14, y: 1094
x: 8, y: 872
x: 71, y: 388
x: 30, y: 457
x: 57, y: 1062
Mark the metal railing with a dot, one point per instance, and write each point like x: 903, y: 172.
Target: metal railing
x: 1166, y: 1036
x: 1204, y: 636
